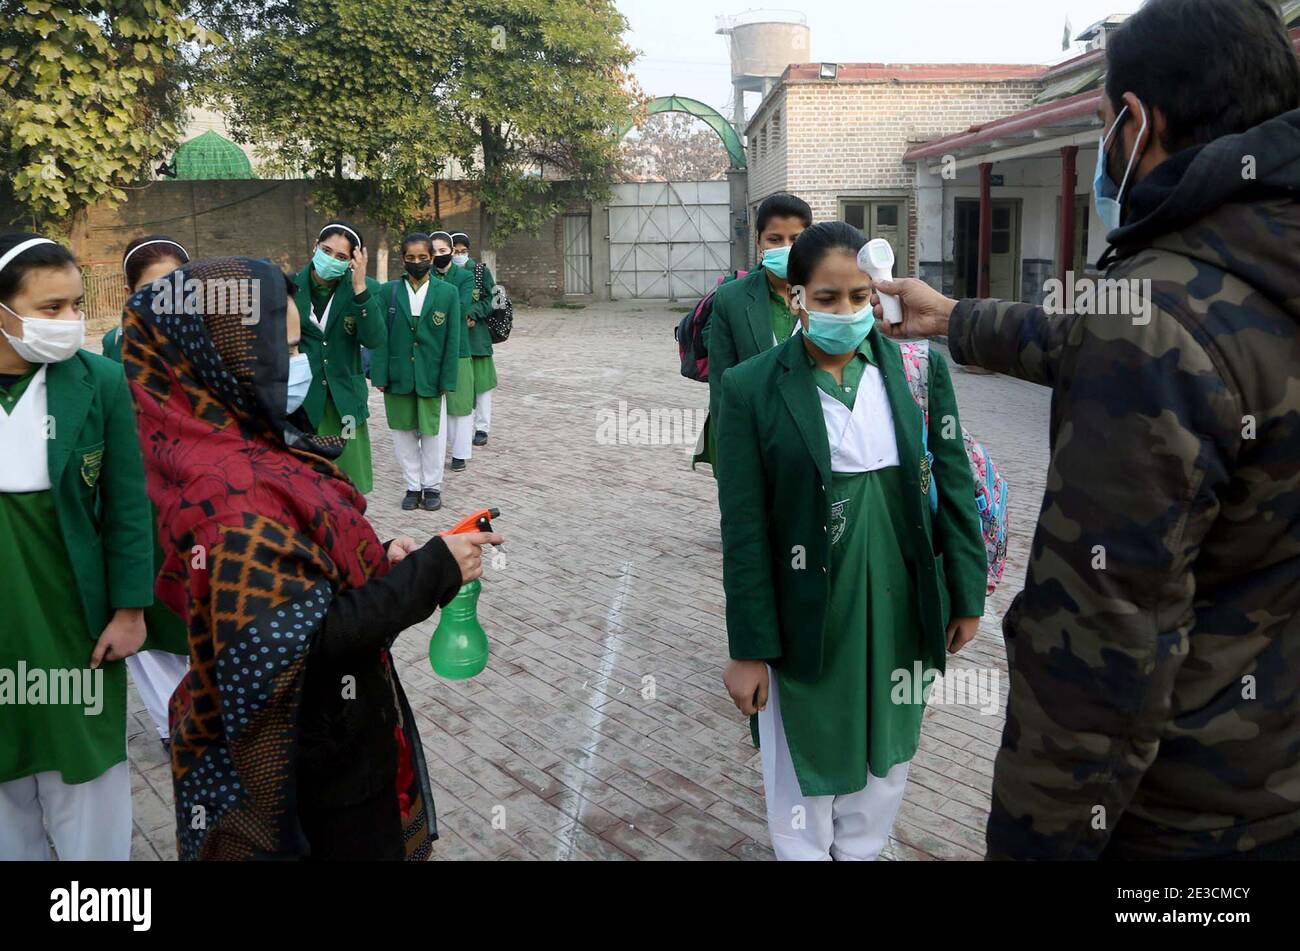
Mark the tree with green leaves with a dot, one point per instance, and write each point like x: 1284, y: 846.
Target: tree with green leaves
x: 541, y: 84
x: 340, y: 91
x: 92, y: 96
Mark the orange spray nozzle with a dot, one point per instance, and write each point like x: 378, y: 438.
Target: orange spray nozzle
x: 480, y: 521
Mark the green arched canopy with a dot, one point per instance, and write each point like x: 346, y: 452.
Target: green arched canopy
x: 710, y: 116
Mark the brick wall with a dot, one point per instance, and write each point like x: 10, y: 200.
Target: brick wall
x: 274, y: 219
x: 847, y: 139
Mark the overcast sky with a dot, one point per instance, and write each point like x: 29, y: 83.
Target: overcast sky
x: 681, y: 52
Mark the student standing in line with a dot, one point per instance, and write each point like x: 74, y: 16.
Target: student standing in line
x: 460, y: 403
x: 78, y: 568
x: 480, y: 338
x: 338, y: 318
x: 838, y: 578
x: 161, y: 664
x: 752, y: 313
x: 416, y: 369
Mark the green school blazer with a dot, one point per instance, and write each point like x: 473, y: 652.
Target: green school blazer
x: 425, y: 362
x: 480, y: 338
x: 739, y: 328
x: 97, y: 475
x: 335, y: 354
x: 772, y: 478
x: 463, y: 280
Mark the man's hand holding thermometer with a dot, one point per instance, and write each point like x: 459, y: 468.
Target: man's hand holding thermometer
x: 907, y: 307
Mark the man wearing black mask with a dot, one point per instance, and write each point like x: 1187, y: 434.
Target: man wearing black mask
x: 417, y: 368
x: 1155, y: 649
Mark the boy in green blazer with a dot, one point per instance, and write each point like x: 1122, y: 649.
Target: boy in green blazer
x: 460, y: 403
x: 752, y: 313
x: 78, y: 566
x: 416, y: 368
x: 843, y: 588
x: 480, y: 338
x: 338, y: 318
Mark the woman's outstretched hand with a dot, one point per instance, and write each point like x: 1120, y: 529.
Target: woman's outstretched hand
x: 467, y: 549
x: 746, y: 681
x: 925, y: 310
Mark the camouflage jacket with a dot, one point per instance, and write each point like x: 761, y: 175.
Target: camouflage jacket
x: 1154, y: 707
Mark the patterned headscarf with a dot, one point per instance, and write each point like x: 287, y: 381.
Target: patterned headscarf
x: 260, y: 531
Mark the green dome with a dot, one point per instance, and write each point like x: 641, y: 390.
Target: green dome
x: 211, y: 156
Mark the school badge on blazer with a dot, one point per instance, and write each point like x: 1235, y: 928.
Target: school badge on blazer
x: 350, y: 324
x: 839, y: 520
x: 439, y: 317
x: 92, y: 463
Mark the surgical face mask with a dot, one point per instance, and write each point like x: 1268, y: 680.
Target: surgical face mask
x: 840, y: 333
x: 777, y: 260
x: 418, y: 269
x: 328, y: 267
x: 299, y: 382
x: 1106, y: 196
x: 460, y: 260
x: 45, y: 340
x: 442, y: 261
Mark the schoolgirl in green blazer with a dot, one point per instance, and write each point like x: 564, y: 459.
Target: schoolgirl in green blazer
x: 341, y: 313
x: 417, y: 367
x: 480, y: 338
x: 460, y: 403
x: 78, y: 566
x: 842, y: 587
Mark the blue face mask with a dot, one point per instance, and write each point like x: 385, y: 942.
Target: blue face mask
x: 840, y: 333
x: 299, y: 382
x: 328, y: 267
x: 1106, y: 196
x: 777, y: 260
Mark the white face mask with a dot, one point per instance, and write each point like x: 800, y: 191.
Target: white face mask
x: 299, y: 382
x: 45, y: 340
x: 459, y: 259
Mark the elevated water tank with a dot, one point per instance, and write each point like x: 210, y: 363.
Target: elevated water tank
x: 763, y: 44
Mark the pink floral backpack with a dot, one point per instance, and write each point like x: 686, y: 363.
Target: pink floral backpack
x: 990, y: 487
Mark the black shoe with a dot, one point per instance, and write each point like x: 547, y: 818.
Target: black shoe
x: 432, y: 500
x: 480, y: 438
x: 457, y: 465
x: 410, y: 501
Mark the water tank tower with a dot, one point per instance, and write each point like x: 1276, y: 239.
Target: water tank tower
x: 763, y: 44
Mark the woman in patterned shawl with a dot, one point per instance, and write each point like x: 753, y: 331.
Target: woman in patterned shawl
x: 291, y: 736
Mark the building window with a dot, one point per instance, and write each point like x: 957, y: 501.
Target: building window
x: 776, y: 129
x: 881, y: 218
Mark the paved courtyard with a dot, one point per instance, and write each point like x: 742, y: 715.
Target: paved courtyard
x: 600, y: 728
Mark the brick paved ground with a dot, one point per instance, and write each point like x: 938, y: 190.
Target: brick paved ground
x: 613, y: 574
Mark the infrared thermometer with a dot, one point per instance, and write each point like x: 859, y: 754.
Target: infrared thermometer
x: 877, y: 259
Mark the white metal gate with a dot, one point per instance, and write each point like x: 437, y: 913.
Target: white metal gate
x: 668, y: 239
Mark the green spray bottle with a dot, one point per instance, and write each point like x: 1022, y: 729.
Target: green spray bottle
x: 458, y: 649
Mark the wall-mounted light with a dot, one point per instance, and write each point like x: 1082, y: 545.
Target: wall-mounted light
x: 829, y: 70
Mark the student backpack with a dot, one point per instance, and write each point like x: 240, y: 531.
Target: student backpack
x: 990, y: 487
x: 502, y: 319
x: 689, y: 333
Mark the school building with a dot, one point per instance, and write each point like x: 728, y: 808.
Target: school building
x: 980, y: 176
